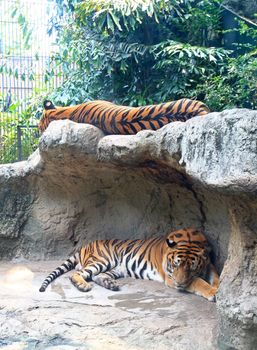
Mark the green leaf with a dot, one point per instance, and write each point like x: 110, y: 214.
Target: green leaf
x: 21, y: 19
x: 14, y: 12
x: 181, y: 54
x: 115, y: 20
x: 110, y: 24
x: 212, y: 58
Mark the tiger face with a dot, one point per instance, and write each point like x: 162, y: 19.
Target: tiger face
x: 186, y: 256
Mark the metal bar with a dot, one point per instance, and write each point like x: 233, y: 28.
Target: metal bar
x: 14, y: 56
x: 19, y: 144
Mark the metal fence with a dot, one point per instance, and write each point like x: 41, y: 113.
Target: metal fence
x: 22, y: 73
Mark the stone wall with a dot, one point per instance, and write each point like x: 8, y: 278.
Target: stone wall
x: 80, y: 185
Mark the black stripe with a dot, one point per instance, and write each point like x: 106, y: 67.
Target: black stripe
x: 90, y: 108
x: 127, y: 260
x: 136, y: 275
x: 170, y: 107
x: 67, y: 267
x: 133, y: 267
x: 100, y: 266
x: 73, y: 114
x: 147, y: 276
x: 60, y: 270
x: 59, y: 112
x: 152, y: 125
x: 142, y: 270
x: 81, y: 116
x: 133, y: 128
x: 180, y: 106
x: 141, y: 257
x: 89, y: 272
x: 142, y: 125
x: 130, y: 246
x: 188, y: 104
x: 94, y: 117
x: 136, y: 248
x: 113, y: 123
x: 160, y: 123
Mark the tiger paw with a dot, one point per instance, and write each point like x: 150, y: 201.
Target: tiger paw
x: 110, y: 284
x: 106, y: 282
x: 79, y: 282
x: 211, y: 295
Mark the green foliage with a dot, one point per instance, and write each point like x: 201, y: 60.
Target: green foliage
x: 136, y: 52
x: 9, y: 144
x: 235, y: 86
x: 9, y: 130
x: 187, y: 65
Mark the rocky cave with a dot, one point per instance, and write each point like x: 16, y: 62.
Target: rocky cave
x: 81, y: 185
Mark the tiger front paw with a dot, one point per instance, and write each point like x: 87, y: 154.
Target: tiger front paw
x: 211, y: 294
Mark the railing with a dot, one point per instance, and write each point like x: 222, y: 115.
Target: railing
x: 22, y: 75
x: 26, y: 146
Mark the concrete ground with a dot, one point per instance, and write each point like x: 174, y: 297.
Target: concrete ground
x: 142, y: 315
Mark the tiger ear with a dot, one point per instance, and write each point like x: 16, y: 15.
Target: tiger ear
x: 171, y: 243
x: 48, y: 105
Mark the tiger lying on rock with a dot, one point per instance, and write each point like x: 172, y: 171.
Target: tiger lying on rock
x: 180, y: 260
x: 113, y: 119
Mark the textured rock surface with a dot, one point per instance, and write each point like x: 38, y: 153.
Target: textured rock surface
x: 142, y: 315
x: 81, y: 186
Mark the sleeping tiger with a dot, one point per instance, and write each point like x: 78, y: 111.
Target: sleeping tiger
x: 113, y: 119
x: 180, y: 260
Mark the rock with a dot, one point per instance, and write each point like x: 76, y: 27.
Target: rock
x: 80, y: 186
x: 143, y: 315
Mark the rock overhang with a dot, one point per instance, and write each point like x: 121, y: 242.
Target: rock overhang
x: 217, y: 151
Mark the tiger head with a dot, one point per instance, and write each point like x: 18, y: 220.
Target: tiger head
x: 49, y: 108
x: 186, y: 257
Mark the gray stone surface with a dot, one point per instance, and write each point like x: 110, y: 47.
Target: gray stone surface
x: 79, y: 186
x: 142, y: 315
x: 218, y: 151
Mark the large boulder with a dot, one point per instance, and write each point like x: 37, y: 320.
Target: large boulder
x: 81, y: 185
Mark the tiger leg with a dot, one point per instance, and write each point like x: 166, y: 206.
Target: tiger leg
x: 200, y: 287
x: 80, y: 278
x: 107, y: 279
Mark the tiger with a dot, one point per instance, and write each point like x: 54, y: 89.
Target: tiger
x: 180, y: 259
x: 114, y: 119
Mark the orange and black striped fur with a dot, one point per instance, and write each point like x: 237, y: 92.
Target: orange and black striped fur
x: 180, y: 260
x: 113, y: 119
